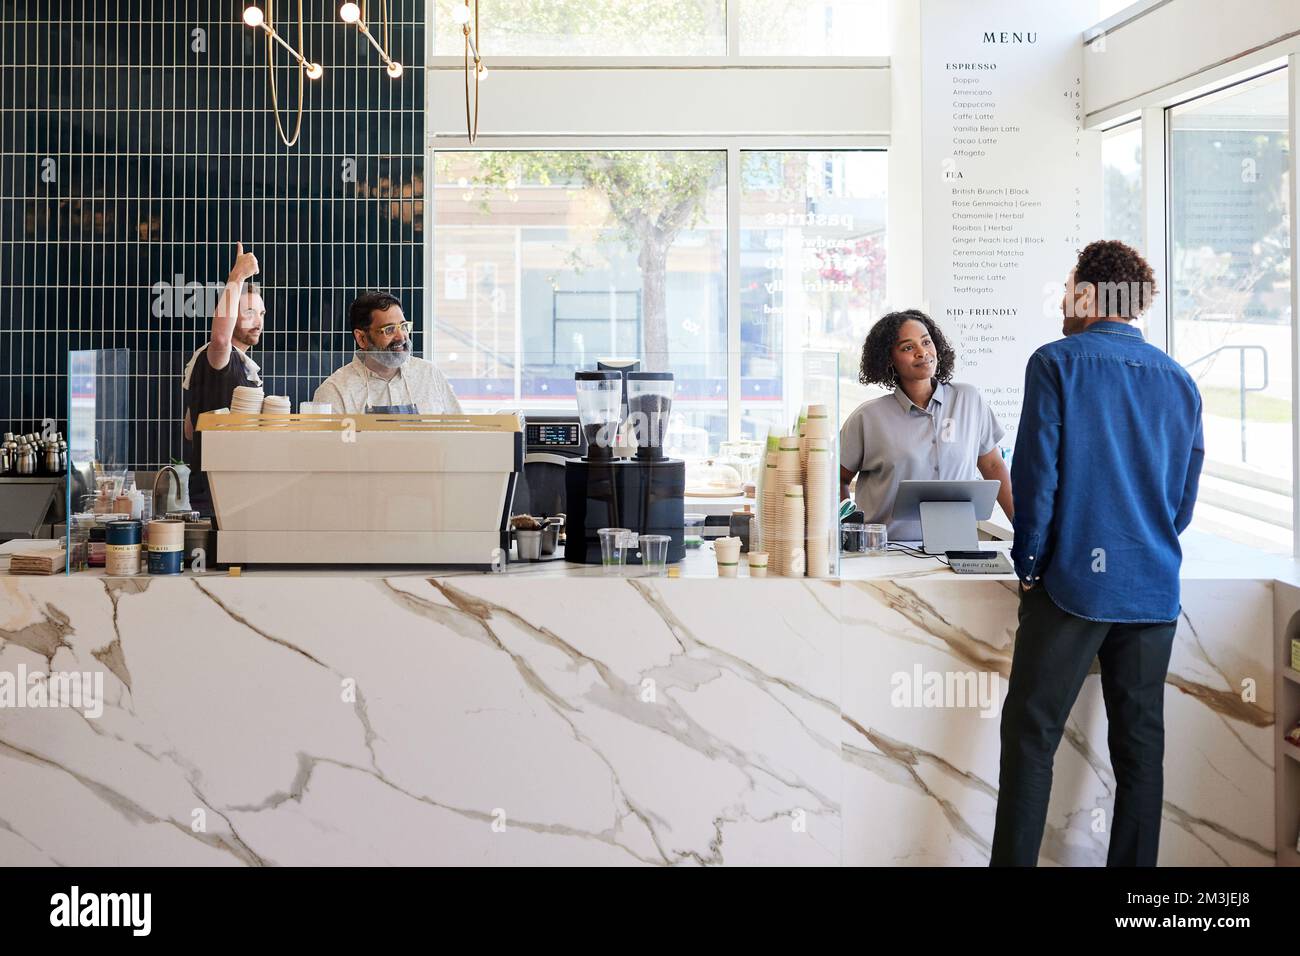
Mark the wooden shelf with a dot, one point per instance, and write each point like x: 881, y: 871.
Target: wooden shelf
x: 1291, y: 674
x: 1292, y: 751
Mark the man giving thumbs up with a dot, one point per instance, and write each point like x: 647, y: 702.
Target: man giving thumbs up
x: 217, y: 368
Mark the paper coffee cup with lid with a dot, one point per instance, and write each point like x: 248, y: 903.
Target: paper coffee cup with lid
x: 727, y: 552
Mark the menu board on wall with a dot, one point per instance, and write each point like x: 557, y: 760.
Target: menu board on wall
x: 1011, y: 181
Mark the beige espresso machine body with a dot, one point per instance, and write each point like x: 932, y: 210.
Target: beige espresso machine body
x: 362, y: 489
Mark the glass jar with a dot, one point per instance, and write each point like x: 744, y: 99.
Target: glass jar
x: 79, y: 541
x: 694, y: 532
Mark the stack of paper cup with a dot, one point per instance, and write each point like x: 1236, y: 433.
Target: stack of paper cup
x: 818, y: 502
x: 789, y: 472
x: 247, y: 400
x: 770, y: 508
x: 819, y: 423
x: 789, y: 468
x: 792, y: 531
x: 766, y: 520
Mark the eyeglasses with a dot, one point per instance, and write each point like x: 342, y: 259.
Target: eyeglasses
x: 391, y: 329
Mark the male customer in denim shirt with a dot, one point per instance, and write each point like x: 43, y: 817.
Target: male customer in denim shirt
x: 1105, y: 471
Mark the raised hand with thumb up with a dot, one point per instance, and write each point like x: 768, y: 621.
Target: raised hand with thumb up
x: 245, y: 264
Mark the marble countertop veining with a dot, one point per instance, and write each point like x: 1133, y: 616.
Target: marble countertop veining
x: 345, y: 718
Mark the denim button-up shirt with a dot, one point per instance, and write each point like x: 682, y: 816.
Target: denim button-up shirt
x: 1105, y: 471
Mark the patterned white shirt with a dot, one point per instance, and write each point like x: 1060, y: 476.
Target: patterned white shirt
x: 354, y: 388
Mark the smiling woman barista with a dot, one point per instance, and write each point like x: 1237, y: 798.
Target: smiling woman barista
x: 929, y: 428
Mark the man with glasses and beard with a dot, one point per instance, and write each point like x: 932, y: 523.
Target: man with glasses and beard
x: 384, y: 377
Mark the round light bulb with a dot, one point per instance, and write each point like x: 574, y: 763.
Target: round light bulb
x: 315, y: 71
x: 349, y: 13
x: 394, y: 69
x: 253, y: 16
x: 482, y: 72
x: 460, y: 13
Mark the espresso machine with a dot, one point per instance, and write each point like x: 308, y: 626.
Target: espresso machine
x: 644, y: 492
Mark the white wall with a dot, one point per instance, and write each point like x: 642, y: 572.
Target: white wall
x: 522, y: 98
x: 1173, y: 49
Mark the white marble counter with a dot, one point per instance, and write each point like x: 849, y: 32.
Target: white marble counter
x: 545, y: 716
x: 1205, y: 558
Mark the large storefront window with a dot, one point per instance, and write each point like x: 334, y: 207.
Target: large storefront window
x: 813, y: 27
x: 545, y: 262
x: 1121, y: 162
x: 1230, y: 300
x: 576, y: 28
x: 812, y: 271
x: 649, y: 28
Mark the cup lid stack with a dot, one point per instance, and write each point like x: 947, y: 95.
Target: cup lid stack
x: 247, y: 400
x: 276, y: 405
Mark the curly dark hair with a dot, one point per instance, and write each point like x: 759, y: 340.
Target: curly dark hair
x: 1123, y: 280
x: 877, y: 359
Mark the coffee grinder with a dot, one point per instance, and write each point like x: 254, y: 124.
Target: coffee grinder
x: 644, y: 493
x: 624, y: 447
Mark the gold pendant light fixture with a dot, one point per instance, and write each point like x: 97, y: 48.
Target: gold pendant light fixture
x: 350, y: 13
x: 254, y: 18
x: 355, y: 14
x: 465, y: 14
